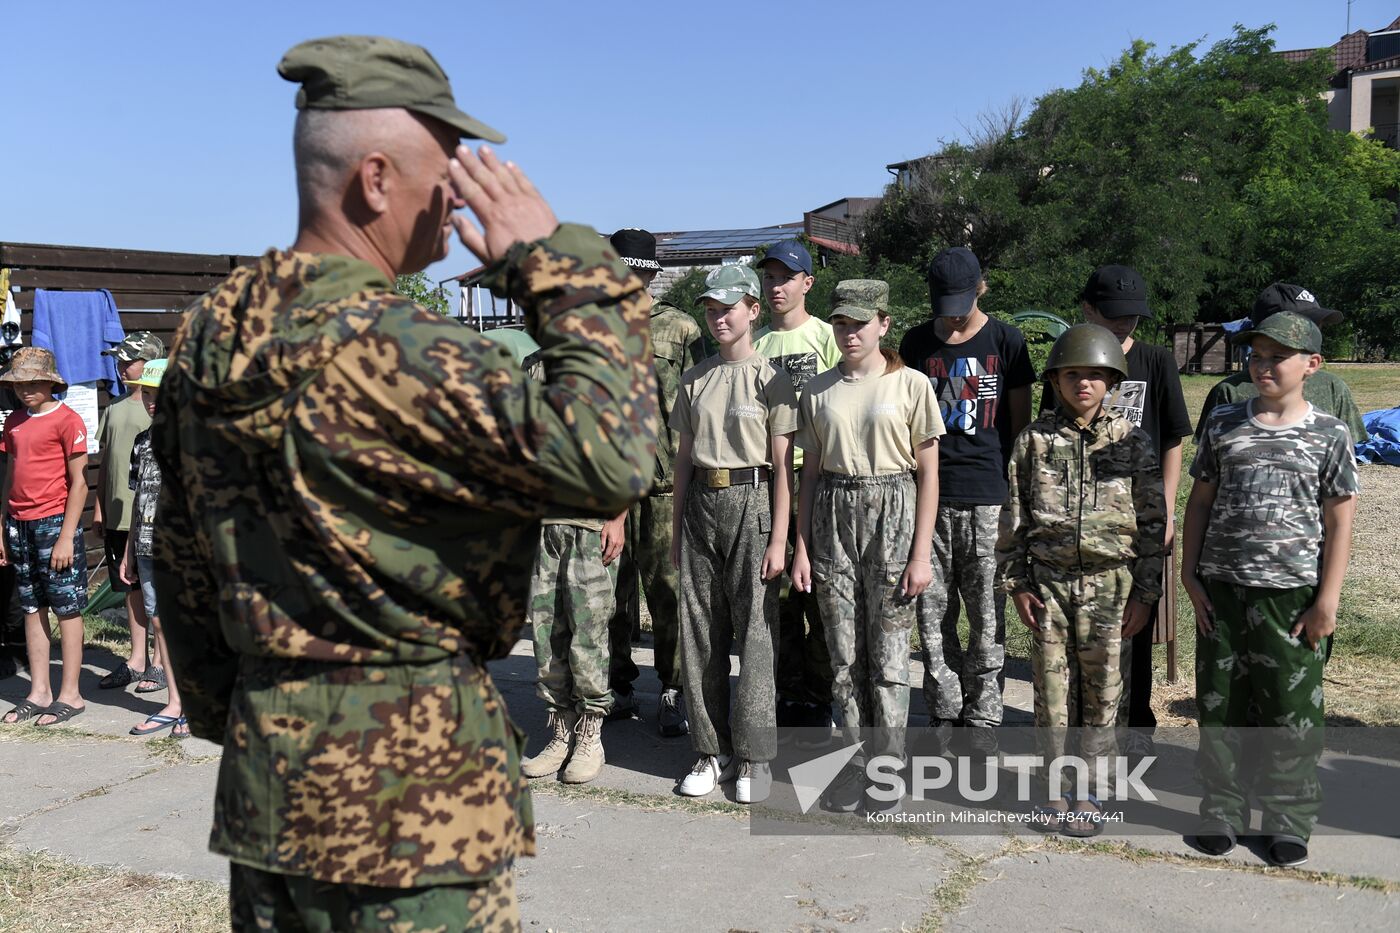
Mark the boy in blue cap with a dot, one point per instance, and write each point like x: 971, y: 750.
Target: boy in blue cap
x: 802, y: 346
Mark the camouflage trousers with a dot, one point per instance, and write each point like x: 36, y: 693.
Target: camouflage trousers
x: 647, y: 558
x: 263, y: 900
x: 862, y: 531
x: 1251, y: 670
x: 726, y: 606
x: 571, y: 603
x: 964, y: 685
x: 1074, y: 664
x: 805, y: 674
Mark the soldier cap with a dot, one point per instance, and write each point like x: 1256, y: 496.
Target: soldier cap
x: 1087, y: 345
x: 1290, y: 329
x: 860, y: 299
x: 138, y: 345
x: 370, y: 72
x: 728, y: 284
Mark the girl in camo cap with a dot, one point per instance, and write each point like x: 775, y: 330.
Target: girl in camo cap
x: 869, y: 432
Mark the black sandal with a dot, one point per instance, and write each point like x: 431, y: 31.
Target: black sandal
x: 1287, y: 851
x: 24, y: 711
x: 1216, y: 837
x: 121, y: 677
x: 61, y: 712
x: 153, y: 674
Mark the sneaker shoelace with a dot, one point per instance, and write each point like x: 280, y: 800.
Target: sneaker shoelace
x: 701, y: 766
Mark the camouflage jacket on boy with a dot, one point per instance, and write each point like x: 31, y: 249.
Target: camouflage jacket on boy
x: 1082, y: 499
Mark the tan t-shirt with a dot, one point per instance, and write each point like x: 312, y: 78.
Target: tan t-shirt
x: 732, y: 409
x: 871, y: 426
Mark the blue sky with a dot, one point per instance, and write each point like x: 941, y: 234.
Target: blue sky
x: 151, y: 125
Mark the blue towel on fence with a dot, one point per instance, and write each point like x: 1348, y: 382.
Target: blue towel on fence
x: 77, y: 327
x: 1384, y: 445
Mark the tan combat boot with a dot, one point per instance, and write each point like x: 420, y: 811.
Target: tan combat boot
x: 552, y: 757
x: 587, y: 759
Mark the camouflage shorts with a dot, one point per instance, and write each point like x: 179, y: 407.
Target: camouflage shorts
x: 29, y: 546
x: 264, y: 900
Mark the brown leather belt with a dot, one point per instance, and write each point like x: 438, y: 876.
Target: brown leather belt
x: 722, y: 479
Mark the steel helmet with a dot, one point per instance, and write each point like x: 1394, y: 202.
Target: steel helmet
x: 1088, y: 345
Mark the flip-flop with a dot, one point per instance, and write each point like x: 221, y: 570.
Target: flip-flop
x: 1216, y: 837
x: 1084, y: 824
x: 120, y: 678
x: 23, y: 711
x: 176, y: 735
x: 61, y: 712
x: 153, y: 674
x: 1287, y: 851
x: 1050, y: 819
x: 156, y: 724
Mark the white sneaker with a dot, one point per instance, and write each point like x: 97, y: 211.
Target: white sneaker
x: 707, y: 774
x: 754, y: 782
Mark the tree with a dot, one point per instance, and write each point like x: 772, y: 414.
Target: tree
x: 418, y: 287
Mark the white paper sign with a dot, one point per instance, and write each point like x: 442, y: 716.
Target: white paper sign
x: 82, y: 398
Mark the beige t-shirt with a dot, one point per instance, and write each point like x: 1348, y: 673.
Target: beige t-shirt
x: 732, y: 409
x: 871, y: 426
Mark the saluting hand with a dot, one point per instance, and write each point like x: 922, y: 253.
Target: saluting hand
x: 504, y: 201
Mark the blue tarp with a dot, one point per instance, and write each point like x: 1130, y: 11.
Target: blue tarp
x: 1384, y: 445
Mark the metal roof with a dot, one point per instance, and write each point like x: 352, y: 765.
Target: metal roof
x: 710, y: 241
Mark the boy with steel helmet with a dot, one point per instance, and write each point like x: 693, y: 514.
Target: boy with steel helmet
x: 1080, y: 552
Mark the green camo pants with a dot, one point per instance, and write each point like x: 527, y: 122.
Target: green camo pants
x: 805, y: 674
x: 726, y: 606
x: 964, y: 684
x: 1074, y: 663
x: 266, y: 901
x: 862, y: 531
x: 647, y: 557
x: 1250, y: 669
x: 571, y: 603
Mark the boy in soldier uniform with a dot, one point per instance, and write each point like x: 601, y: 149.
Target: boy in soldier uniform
x: 1080, y: 552
x: 1264, y: 551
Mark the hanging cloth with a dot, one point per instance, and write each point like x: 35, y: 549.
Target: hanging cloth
x: 77, y: 327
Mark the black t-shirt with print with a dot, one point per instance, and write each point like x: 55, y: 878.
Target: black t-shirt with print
x: 971, y: 380
x: 1150, y: 397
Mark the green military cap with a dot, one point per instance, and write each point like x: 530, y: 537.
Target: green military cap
x: 138, y: 345
x: 368, y: 72
x: 1289, y: 328
x: 728, y: 284
x: 860, y: 299
x: 520, y: 344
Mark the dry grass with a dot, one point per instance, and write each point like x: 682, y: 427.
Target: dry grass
x: 43, y: 894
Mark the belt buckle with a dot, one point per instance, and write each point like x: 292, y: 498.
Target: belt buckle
x: 717, y: 479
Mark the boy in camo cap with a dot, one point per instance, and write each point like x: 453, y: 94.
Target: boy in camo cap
x: 1264, y: 550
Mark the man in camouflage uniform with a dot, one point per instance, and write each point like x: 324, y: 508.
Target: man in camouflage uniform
x: 1081, y: 542
x: 351, y: 504
x: 676, y: 343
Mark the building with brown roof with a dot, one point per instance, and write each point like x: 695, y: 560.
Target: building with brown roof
x: 1365, y: 92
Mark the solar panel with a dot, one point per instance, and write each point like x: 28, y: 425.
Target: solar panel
x: 711, y: 240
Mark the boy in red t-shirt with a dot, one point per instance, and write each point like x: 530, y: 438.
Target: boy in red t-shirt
x: 44, y: 493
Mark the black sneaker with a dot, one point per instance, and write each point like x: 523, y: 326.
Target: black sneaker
x: 670, y: 719
x: 624, y: 706
x: 847, y: 792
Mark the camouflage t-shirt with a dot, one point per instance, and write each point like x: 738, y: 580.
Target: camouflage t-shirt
x: 1266, y: 522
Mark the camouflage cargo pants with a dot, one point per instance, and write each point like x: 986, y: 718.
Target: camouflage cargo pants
x: 266, y: 901
x: 805, y: 674
x: 1074, y: 663
x: 726, y: 606
x: 964, y: 685
x: 1251, y: 669
x: 571, y: 603
x: 647, y: 558
x: 862, y: 531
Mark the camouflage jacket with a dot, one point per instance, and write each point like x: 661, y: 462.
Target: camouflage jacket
x: 676, y: 341
x: 1083, y: 499
x: 351, y: 504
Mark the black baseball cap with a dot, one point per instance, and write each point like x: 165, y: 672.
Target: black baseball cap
x: 1117, y: 291
x: 1281, y: 296
x: 952, y: 282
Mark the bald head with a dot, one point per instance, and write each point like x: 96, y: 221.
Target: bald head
x: 374, y: 183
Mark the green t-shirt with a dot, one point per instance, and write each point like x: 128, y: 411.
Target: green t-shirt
x: 802, y: 353
x: 1329, y: 394
x: 121, y: 421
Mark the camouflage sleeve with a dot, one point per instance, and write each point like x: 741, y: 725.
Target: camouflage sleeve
x: 1214, y: 399
x: 584, y: 439
x: 1151, y: 505
x: 1013, y: 564
x: 202, y: 662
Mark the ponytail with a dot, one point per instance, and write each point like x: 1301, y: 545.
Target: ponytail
x: 892, y: 360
